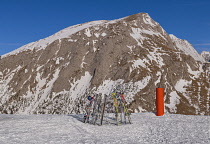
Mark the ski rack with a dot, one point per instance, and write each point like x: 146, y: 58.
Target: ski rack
x: 107, y: 109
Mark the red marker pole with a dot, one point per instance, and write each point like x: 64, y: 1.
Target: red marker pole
x: 160, y: 101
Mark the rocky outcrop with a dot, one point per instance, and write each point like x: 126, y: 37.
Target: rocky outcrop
x: 54, y: 74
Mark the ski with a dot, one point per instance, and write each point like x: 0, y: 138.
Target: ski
x: 125, y: 109
x: 94, y: 109
x: 98, y: 109
x: 115, y: 107
x: 104, y: 106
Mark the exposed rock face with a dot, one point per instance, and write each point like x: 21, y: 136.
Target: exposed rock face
x: 52, y: 75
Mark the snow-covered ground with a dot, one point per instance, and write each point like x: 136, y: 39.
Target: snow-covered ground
x: 68, y: 129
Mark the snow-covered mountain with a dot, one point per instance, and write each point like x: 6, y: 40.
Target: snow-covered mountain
x: 206, y: 55
x: 53, y: 75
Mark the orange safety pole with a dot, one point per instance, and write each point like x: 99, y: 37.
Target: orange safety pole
x: 160, y: 101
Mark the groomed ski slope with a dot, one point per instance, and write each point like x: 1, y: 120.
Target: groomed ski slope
x: 68, y: 129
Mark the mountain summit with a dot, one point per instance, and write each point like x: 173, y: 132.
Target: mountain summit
x: 53, y: 75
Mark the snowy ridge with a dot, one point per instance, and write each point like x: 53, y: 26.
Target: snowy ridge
x: 186, y: 47
x: 206, y: 55
x: 65, y: 33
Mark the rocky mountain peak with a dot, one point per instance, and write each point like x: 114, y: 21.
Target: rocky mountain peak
x: 55, y: 74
